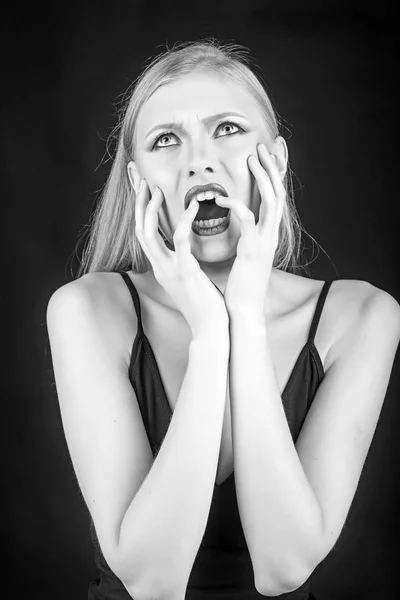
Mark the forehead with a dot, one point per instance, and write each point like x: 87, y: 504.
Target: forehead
x: 194, y: 97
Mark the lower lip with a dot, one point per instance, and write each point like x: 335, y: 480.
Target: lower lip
x: 212, y: 230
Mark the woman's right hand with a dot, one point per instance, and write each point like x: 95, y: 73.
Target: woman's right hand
x: 178, y: 272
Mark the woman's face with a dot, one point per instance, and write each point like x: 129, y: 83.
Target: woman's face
x: 213, y: 127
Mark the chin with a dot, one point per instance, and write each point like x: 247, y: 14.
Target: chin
x: 213, y: 249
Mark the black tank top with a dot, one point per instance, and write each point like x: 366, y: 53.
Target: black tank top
x: 222, y: 569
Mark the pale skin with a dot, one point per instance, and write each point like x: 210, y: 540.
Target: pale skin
x: 309, y: 486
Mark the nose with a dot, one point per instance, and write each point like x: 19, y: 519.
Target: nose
x: 201, y: 159
x: 200, y: 169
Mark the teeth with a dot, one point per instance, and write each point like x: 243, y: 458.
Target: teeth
x: 205, y: 196
x: 210, y: 222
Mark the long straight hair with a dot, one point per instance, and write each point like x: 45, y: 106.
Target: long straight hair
x: 112, y: 244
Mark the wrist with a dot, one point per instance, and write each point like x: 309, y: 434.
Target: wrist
x: 213, y: 333
x: 246, y: 312
x: 251, y: 319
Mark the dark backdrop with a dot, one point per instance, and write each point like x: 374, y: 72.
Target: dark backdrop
x: 332, y: 72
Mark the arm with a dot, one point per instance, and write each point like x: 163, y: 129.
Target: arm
x: 165, y: 523
x: 293, y: 501
x: 279, y: 511
x: 149, y: 515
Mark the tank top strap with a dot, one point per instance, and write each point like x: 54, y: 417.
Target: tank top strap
x: 318, y: 311
x: 135, y: 298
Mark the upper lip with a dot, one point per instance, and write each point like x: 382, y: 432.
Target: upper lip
x: 197, y: 189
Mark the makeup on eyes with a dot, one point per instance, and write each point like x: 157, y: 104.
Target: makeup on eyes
x: 171, y: 133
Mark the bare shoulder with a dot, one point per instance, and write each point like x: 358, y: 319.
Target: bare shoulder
x: 349, y: 299
x: 101, y: 299
x: 361, y: 310
x: 360, y: 300
x: 350, y: 293
x: 351, y: 308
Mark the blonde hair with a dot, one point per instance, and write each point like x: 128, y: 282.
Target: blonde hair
x: 112, y: 244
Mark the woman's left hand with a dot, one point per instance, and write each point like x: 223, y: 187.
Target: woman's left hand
x: 248, y: 281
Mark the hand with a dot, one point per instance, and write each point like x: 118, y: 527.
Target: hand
x: 249, y: 277
x: 177, y: 271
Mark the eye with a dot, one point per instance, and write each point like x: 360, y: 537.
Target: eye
x: 230, y: 124
x: 167, y: 134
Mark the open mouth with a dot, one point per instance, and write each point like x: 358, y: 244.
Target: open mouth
x: 211, y: 218
x: 208, y: 209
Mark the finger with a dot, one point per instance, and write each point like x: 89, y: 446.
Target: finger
x: 268, y: 161
x: 270, y: 164
x: 245, y: 216
x: 182, y: 233
x: 164, y: 226
x: 267, y: 193
x: 139, y: 209
x: 152, y: 237
x: 279, y: 186
x: 141, y: 201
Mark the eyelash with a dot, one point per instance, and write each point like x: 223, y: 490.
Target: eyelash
x: 155, y: 147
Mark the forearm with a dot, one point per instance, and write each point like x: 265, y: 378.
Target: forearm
x: 163, y: 527
x: 280, y: 514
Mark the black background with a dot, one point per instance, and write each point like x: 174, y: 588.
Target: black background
x: 332, y: 72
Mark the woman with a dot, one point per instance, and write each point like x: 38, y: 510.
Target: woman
x: 217, y: 405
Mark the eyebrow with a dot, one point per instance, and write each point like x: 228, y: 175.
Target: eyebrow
x: 207, y: 120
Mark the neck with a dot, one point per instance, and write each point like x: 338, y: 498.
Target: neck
x: 218, y: 273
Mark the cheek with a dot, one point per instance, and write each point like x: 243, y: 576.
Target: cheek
x: 238, y: 156
x: 158, y: 178
x: 236, y: 164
